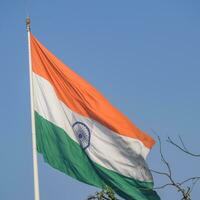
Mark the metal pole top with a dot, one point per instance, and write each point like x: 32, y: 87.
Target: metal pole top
x: 28, y: 24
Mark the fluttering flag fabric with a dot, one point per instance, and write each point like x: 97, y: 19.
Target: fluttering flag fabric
x: 81, y: 134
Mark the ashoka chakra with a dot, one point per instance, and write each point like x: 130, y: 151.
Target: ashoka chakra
x: 82, y: 134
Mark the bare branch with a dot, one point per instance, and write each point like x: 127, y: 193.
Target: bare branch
x: 179, y: 186
x: 190, y: 179
x: 182, y: 143
x: 163, y: 186
x: 194, y: 183
x: 160, y: 173
x: 182, y: 148
x: 162, y: 156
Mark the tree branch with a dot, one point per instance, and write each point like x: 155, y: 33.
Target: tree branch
x: 183, y: 147
x: 185, y: 190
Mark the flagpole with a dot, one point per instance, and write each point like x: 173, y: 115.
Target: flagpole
x: 34, y: 147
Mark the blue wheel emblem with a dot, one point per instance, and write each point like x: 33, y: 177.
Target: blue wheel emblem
x: 82, y: 133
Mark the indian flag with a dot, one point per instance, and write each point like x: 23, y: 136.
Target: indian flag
x: 81, y: 134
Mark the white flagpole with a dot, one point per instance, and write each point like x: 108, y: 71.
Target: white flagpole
x: 35, y: 162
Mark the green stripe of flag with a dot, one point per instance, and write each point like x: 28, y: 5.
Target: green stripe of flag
x: 64, y: 154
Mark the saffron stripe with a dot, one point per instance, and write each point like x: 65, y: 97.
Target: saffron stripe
x: 80, y: 96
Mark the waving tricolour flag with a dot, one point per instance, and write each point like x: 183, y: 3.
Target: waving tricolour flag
x: 81, y: 134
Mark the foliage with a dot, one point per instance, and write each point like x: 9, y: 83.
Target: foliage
x: 106, y: 194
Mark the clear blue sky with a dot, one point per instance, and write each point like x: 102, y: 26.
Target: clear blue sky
x: 143, y: 56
